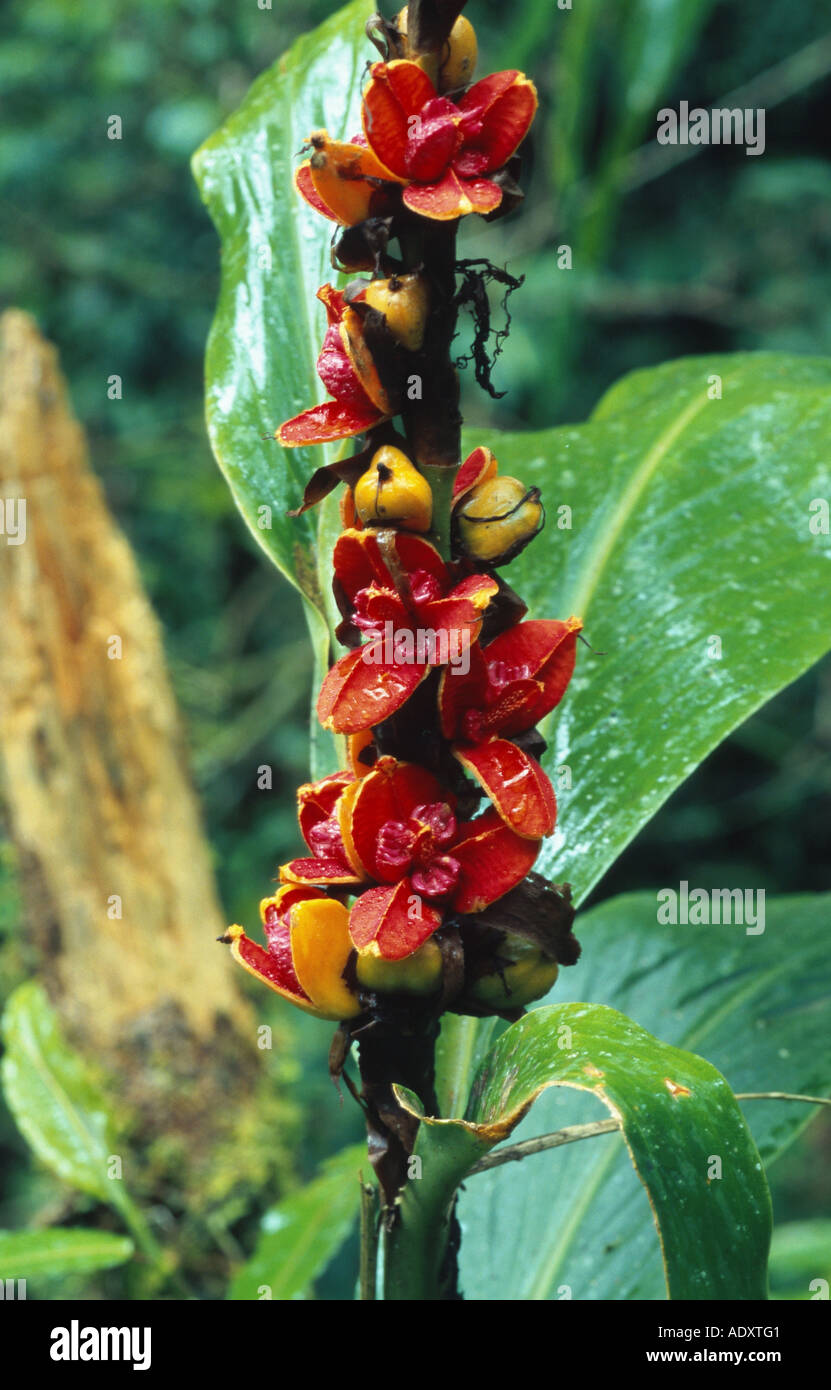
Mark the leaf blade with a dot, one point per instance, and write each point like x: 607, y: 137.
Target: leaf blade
x: 679, y: 503
x: 756, y: 1006
x: 55, y: 1102
x: 301, y: 1234
x: 268, y: 328
x: 676, y: 1112
x: 64, y: 1250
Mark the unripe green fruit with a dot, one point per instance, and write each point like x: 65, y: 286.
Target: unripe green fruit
x: 419, y: 973
x: 528, y: 977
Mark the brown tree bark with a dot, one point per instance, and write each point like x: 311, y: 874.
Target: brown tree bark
x: 116, y: 876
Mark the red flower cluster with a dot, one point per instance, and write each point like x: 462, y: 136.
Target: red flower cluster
x: 349, y: 375
x: 395, y: 582
x: 441, y: 151
x: 388, y: 834
x: 430, y: 157
x: 401, y: 851
x: 396, y: 829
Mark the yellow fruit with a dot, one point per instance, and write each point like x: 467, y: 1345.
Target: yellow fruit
x: 498, y: 518
x: 455, y: 65
x: 458, y: 67
x: 320, y: 948
x: 392, y: 492
x: 419, y: 973
x: 404, y: 303
x: 528, y: 977
x: 363, y: 362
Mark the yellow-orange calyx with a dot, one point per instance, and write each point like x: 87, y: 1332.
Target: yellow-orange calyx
x: 392, y: 492
x: 455, y: 65
x: 403, y: 300
x: 498, y: 518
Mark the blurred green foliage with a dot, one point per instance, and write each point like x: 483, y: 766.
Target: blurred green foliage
x: 105, y: 241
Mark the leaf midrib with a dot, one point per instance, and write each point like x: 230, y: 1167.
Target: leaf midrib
x: 552, y: 1266
x: 586, y: 586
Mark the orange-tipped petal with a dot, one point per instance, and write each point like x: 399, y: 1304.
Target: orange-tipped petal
x: 416, y: 553
x: 316, y: 801
x: 272, y: 968
x: 397, y: 91
x: 461, y: 611
x: 320, y: 870
x: 460, y: 692
x: 507, y: 103
x: 481, y: 98
x: 477, y: 589
x: 493, y: 860
x: 274, y: 909
x: 357, y: 745
x: 320, y: 948
x: 477, y: 467
x: 333, y: 302
x: 323, y: 424
x: 546, y: 649
x: 452, y: 197
x: 409, y: 84
x: 304, y: 184
x: 362, y: 689
x: 390, y: 792
x: 396, y: 921
x: 515, y: 783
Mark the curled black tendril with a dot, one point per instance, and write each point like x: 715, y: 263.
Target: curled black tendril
x: 488, y: 341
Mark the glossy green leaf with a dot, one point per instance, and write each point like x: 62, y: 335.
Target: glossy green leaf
x: 678, y: 1116
x: 56, y: 1103
x: 800, y: 1260
x: 691, y: 560
x: 268, y: 329
x: 755, y: 1006
x: 301, y: 1234
x: 61, y: 1250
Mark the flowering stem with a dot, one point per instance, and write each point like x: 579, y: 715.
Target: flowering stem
x: 392, y: 1056
x: 369, y: 1243
x: 432, y: 420
x: 416, y: 1263
x: 421, y: 1246
x: 401, y: 821
x: 441, y: 481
